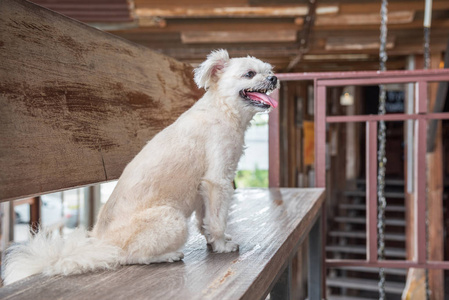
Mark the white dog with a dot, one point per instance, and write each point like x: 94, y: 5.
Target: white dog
x: 189, y: 166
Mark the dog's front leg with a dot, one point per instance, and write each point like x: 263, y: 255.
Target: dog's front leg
x: 216, y: 196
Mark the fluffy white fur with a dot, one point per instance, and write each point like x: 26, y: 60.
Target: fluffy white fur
x: 188, y: 167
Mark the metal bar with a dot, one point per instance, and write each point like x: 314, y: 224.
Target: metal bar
x: 320, y: 164
x: 420, y: 174
x: 371, y: 191
x: 379, y: 80
x: 420, y: 190
x: 389, y: 117
x: 420, y: 78
x: 323, y: 249
x: 315, y: 269
x: 320, y: 136
x: 421, y: 97
x: 274, y: 145
x: 398, y: 264
x: 408, y: 75
x: 281, y: 290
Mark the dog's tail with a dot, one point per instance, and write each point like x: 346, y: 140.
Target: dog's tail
x: 51, y: 254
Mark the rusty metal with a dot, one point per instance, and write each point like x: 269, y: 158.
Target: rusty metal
x: 419, y: 117
x: 274, y: 146
x: 371, y: 188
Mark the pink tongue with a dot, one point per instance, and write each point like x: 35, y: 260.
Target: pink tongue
x: 262, y: 97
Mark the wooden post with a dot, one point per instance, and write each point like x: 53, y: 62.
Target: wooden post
x: 435, y: 197
x: 282, y: 288
x: 35, y: 213
x: 316, y: 261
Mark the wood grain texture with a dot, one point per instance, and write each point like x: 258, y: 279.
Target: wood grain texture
x: 269, y: 225
x: 76, y: 104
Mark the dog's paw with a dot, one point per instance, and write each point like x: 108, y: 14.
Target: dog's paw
x: 228, y: 237
x: 174, y: 256
x: 223, y: 246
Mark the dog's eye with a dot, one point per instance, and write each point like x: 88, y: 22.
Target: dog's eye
x: 250, y: 74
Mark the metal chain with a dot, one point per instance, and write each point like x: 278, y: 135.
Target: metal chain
x: 427, y: 66
x: 381, y: 158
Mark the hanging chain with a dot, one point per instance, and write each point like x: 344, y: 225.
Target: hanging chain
x: 381, y: 158
x: 427, y: 66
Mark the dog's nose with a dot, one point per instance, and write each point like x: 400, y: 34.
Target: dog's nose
x: 272, y: 79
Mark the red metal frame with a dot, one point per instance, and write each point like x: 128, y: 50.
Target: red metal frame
x: 420, y: 117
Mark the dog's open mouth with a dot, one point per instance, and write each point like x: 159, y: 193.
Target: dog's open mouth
x: 259, y: 98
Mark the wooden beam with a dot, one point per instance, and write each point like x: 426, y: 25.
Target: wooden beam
x: 305, y: 34
x: 336, y: 57
x: 435, y: 194
x: 178, y: 25
x: 199, y: 37
x: 374, y: 7
x: 356, y: 43
x: 233, y: 12
x: 395, y: 17
x: 415, y: 24
x: 77, y: 104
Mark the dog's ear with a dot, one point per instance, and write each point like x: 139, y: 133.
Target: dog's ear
x: 209, y: 71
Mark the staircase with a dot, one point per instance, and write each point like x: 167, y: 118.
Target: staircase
x: 347, y: 240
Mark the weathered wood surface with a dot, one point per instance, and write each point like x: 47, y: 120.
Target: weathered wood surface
x: 268, y: 224
x: 76, y: 104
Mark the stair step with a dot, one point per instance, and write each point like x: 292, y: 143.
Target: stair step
x: 364, y: 284
x: 396, y: 195
x: 352, y: 249
x: 389, y: 208
x: 388, y: 182
x: 362, y: 235
x: 345, y: 297
x: 362, y: 220
x: 400, y: 272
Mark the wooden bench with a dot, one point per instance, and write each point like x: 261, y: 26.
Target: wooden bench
x: 76, y: 105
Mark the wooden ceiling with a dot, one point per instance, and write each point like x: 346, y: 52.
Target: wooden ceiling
x: 323, y: 36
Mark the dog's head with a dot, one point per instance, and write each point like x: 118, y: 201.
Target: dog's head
x: 246, y: 81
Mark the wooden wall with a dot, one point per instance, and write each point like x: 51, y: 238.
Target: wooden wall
x: 76, y: 104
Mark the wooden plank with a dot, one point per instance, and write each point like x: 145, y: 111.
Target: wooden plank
x: 399, y: 272
x: 364, y: 284
x: 374, y: 6
x: 267, y: 224
x: 76, y: 104
x: 362, y: 235
x: 435, y: 190
x: 395, y: 17
x: 391, y: 208
x: 362, y: 220
x: 232, y: 12
x: 352, y: 43
x: 200, y: 37
x: 352, y: 249
x: 177, y: 25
